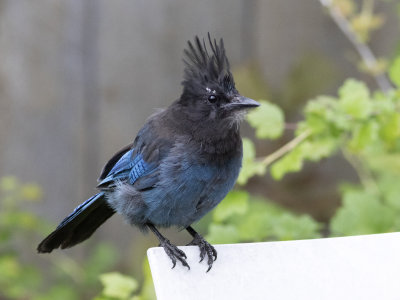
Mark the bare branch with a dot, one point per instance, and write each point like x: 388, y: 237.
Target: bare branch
x: 364, y: 51
x: 285, y: 148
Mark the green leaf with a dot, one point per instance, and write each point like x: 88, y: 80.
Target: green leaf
x: 390, y: 128
x: 364, y: 136
x: 117, y: 285
x: 291, y: 162
x: 390, y: 189
x: 265, y: 220
x: 222, y: 234
x: 255, y: 225
x: 236, y: 202
x: 313, y: 150
x: 147, y: 291
x: 386, y: 163
x: 249, y: 166
x: 317, y: 149
x: 362, y: 212
x: 394, y: 71
x: 8, y: 183
x: 355, y: 99
x: 268, y: 120
x: 31, y: 192
x: 292, y: 227
x: 60, y: 292
x: 11, y: 269
x: 102, y: 257
x: 319, y: 112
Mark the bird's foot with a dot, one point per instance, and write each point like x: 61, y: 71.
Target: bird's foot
x: 174, y: 253
x: 205, y: 248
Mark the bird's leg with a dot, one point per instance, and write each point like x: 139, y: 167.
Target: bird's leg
x: 205, y: 247
x: 172, y: 251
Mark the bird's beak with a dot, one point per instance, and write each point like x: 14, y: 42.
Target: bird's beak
x: 240, y: 102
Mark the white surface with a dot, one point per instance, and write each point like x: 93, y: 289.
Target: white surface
x: 358, y: 267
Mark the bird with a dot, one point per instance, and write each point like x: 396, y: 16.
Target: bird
x: 182, y: 163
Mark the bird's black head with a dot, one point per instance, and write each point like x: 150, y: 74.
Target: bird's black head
x: 209, y: 92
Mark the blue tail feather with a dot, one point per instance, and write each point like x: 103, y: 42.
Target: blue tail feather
x: 79, y: 225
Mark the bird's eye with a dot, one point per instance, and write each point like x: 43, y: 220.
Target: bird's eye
x: 212, y: 98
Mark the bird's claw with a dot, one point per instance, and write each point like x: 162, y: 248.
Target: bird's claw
x: 174, y: 253
x: 205, y: 248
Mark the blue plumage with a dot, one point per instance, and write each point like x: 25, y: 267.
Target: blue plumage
x: 127, y: 167
x: 182, y: 163
x: 79, y: 209
x: 138, y: 169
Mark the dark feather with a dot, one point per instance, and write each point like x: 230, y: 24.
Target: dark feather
x: 205, y: 67
x: 110, y: 164
x: 79, y: 225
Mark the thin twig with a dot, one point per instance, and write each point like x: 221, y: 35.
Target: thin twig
x: 285, y: 148
x: 365, y: 176
x: 364, y: 51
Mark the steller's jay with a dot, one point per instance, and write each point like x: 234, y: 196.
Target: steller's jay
x: 182, y: 163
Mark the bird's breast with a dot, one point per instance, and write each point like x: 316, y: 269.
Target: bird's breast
x: 189, y: 187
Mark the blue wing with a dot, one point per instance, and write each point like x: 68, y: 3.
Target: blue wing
x: 138, y: 163
x: 130, y: 167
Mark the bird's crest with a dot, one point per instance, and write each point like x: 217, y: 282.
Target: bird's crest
x: 206, y: 66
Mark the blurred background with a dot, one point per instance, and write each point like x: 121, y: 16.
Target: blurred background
x: 79, y: 78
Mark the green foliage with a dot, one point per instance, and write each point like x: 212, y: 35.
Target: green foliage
x: 311, y: 149
x: 354, y: 100
x: 268, y: 120
x: 17, y: 278
x: 250, y: 166
x: 365, y: 127
x: 117, y: 286
x: 364, y: 212
x: 56, y: 276
x: 253, y: 219
x: 394, y: 72
x: 222, y: 234
x: 291, y: 162
x: 121, y: 287
x: 355, y: 122
x: 234, y: 203
x: 147, y: 291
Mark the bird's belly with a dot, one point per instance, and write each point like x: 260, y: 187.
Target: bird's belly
x: 184, y: 197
